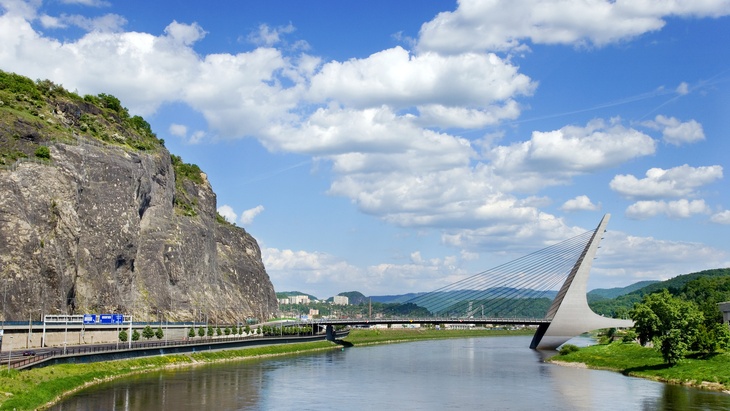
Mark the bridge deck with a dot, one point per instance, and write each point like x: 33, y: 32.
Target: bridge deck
x: 427, y: 320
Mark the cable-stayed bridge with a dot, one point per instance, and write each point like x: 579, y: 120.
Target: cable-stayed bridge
x: 546, y: 288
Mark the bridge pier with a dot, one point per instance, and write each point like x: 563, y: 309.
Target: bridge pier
x: 330, y: 333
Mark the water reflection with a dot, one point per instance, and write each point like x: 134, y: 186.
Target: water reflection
x: 481, y: 373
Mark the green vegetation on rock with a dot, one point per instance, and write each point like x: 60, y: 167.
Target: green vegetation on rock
x: 34, y: 113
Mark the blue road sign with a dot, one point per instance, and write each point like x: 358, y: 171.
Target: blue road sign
x: 105, y: 319
x: 117, y: 318
x: 89, y: 318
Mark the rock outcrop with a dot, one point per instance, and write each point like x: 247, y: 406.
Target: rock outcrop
x: 96, y: 225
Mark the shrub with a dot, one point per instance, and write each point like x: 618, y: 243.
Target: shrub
x: 43, y: 152
x: 123, y: 336
x: 191, y: 333
x: 567, y: 349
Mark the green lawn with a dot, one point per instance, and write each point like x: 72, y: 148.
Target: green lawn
x: 711, y: 371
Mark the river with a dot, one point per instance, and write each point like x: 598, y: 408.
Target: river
x: 489, y: 373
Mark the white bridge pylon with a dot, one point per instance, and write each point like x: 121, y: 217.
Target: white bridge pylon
x: 569, y: 313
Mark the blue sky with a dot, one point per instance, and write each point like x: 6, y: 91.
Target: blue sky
x: 393, y: 147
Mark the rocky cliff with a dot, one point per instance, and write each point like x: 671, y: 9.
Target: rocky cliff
x: 96, y: 216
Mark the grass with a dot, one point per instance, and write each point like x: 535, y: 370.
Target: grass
x: 380, y: 336
x: 39, y: 387
x: 710, y: 371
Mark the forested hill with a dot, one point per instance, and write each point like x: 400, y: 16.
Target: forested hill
x: 716, y: 283
x: 602, y: 293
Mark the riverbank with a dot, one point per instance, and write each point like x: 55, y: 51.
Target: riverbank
x: 41, y: 387
x: 708, y: 372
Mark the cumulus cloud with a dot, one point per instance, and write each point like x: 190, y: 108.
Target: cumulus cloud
x: 676, y: 132
x: 293, y: 270
x: 675, y: 182
x: 683, y: 208
x: 625, y: 256
x: 398, y: 79
x: 553, y: 157
x: 248, y: 216
x: 580, y: 203
x: 723, y: 217
x: 478, y: 25
x: 178, y: 130
x: 227, y: 212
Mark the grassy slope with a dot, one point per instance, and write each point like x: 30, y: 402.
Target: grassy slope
x: 632, y: 359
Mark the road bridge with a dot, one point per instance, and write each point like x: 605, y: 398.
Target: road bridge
x: 512, y: 287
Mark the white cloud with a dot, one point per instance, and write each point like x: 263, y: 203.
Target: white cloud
x: 478, y: 25
x: 580, y: 203
x: 305, y: 271
x: 398, y: 79
x: 268, y: 37
x: 723, y: 217
x: 227, y: 212
x: 682, y: 89
x: 676, y: 132
x: 675, y: 182
x: 553, y: 157
x: 627, y: 257
x: 248, y: 216
x: 683, y: 208
x: 91, y: 3
x: 178, y: 130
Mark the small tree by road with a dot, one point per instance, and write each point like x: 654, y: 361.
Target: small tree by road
x: 147, y: 332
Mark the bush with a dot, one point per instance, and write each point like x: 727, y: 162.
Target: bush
x: 159, y: 333
x: 123, y: 336
x: 629, y: 337
x: 201, y: 331
x: 135, y: 335
x: 191, y: 333
x: 567, y: 349
x: 43, y: 152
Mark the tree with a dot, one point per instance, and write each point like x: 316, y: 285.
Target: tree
x: 672, y: 324
x: 201, y: 331
x: 159, y: 333
x: 123, y: 336
x: 218, y: 331
x: 210, y: 331
x: 191, y: 333
x: 135, y: 335
x: 227, y: 331
x: 147, y: 332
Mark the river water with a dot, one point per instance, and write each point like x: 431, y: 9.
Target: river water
x: 489, y: 373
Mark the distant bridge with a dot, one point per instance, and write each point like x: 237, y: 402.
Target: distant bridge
x: 519, y: 286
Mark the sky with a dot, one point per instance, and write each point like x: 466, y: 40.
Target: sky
x: 391, y: 147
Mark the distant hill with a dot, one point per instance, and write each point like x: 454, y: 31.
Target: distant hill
x: 607, y: 293
x: 286, y: 294
x: 354, y: 297
x: 621, y: 304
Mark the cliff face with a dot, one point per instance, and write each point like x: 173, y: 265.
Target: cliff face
x: 96, y: 229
